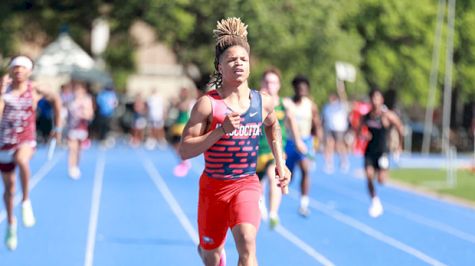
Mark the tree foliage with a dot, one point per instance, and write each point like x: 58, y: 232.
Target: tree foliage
x: 390, y: 42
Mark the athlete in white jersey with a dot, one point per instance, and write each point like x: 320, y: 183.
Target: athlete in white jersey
x: 308, y: 123
x: 18, y: 102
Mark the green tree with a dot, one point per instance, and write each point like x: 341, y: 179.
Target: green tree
x: 398, y: 38
x: 464, y: 55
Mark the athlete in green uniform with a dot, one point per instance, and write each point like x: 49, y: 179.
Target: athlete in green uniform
x: 183, y: 106
x: 270, y: 83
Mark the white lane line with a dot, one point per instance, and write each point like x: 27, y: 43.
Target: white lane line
x: 410, y: 215
x: 434, y: 200
x: 34, y: 180
x: 95, y: 206
x: 303, y: 246
x: 170, y: 199
x: 371, y: 232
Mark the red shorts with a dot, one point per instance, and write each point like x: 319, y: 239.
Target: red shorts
x: 7, y: 153
x: 224, y: 204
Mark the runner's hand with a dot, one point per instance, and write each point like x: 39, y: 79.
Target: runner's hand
x: 301, y: 147
x: 283, y: 180
x: 56, y: 134
x: 231, y: 122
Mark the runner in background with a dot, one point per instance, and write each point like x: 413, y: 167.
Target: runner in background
x: 284, y: 110
x: 18, y: 102
x: 376, y: 161
x: 183, y: 106
x: 80, y: 114
x: 156, y: 121
x: 308, y: 124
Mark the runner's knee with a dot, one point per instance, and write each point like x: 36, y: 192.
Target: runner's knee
x: 246, y: 241
x: 9, y: 189
x: 210, y: 257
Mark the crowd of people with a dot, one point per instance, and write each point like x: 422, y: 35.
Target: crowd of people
x: 235, y: 127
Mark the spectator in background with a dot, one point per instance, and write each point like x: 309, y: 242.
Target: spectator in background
x: 66, y: 94
x: 156, y: 121
x: 335, y: 124
x: 106, y: 101
x: 44, y: 120
x: 139, y: 120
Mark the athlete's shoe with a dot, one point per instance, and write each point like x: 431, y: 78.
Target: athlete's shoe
x: 11, y: 240
x: 74, y: 172
x: 150, y: 144
x: 304, y: 211
x: 273, y: 222
x: 376, y: 208
x: 27, y: 214
x: 182, y: 169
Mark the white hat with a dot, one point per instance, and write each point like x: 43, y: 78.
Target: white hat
x: 21, y: 61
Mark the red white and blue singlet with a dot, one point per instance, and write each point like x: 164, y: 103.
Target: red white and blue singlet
x: 235, y: 154
x: 17, y: 125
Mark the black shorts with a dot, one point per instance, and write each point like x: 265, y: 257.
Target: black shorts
x: 378, y: 160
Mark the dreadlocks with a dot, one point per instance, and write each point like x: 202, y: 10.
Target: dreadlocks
x: 229, y: 32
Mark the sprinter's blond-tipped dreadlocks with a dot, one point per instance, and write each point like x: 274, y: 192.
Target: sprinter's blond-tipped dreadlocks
x: 229, y: 32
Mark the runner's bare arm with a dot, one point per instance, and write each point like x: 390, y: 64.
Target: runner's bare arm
x: 316, y: 122
x: 2, y: 105
x: 88, y: 112
x: 273, y: 133
x: 4, y: 82
x: 195, y: 140
x: 53, y: 98
x: 394, y: 120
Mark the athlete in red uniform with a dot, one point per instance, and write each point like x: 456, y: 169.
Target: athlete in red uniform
x: 225, y: 125
x: 18, y: 137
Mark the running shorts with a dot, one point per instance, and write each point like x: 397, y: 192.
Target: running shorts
x: 223, y: 204
x: 7, y: 153
x: 293, y: 155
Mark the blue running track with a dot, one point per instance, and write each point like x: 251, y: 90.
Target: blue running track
x: 129, y: 209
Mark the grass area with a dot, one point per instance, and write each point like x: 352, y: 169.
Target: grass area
x: 435, y: 180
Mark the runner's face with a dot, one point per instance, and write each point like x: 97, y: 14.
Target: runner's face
x: 271, y: 83
x: 234, y: 65
x: 301, y: 89
x: 20, y: 73
x: 377, y: 99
